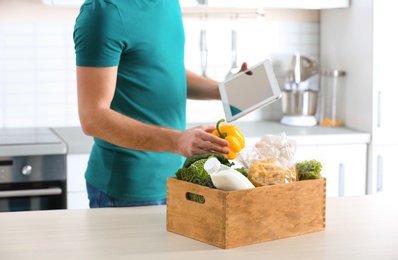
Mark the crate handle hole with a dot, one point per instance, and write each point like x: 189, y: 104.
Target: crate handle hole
x: 195, y: 197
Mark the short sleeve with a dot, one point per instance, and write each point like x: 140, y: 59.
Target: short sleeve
x: 98, y: 36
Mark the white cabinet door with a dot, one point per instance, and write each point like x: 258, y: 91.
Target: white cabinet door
x: 385, y: 57
x: 76, y: 184
x: 344, y: 167
x: 385, y: 130
x: 384, y: 177
x: 369, y: 57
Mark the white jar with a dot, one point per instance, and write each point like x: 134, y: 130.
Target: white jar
x: 226, y: 178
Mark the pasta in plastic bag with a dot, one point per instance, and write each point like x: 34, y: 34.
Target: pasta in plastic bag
x: 270, y: 161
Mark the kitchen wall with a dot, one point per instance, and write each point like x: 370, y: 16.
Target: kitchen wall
x: 37, y: 71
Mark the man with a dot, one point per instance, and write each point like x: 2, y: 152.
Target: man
x: 132, y: 91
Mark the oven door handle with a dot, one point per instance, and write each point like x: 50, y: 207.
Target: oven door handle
x: 31, y: 193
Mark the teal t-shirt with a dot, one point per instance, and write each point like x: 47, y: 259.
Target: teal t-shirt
x: 145, y: 39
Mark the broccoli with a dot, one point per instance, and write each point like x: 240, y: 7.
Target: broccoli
x: 309, y: 169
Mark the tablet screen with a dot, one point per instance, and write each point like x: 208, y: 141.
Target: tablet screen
x: 249, y: 90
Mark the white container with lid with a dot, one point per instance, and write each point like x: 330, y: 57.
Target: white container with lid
x: 226, y: 178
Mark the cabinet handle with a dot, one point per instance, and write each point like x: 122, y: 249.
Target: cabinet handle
x: 379, y: 173
x: 379, y: 109
x: 341, y: 179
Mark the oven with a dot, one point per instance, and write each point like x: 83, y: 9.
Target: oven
x: 32, y: 170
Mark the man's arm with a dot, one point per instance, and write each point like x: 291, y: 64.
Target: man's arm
x: 96, y: 87
x: 202, y: 88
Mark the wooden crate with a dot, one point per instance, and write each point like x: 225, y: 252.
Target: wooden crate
x: 238, y: 218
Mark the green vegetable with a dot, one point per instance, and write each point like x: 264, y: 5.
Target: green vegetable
x: 191, y: 175
x: 196, y: 173
x: 309, y: 169
x: 199, y: 167
x: 191, y: 159
x: 193, y: 169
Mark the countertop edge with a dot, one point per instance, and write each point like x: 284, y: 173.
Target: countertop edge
x: 79, y: 143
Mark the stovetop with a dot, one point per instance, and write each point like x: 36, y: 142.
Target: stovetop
x: 30, y: 141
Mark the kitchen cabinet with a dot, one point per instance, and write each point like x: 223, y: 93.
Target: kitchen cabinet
x: 288, y: 4
x: 343, y: 152
x: 385, y: 140
x: 76, y: 184
x: 385, y: 56
x: 303, y: 4
x: 360, y: 41
x: 344, y: 167
x: 384, y: 168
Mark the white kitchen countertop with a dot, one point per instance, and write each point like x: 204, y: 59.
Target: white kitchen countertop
x: 78, y: 142
x: 30, y: 142
x: 364, y: 227
x: 315, y: 135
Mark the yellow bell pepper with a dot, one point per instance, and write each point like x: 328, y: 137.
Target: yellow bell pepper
x: 234, y: 137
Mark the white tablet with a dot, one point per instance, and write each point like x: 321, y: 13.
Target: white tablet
x: 249, y: 90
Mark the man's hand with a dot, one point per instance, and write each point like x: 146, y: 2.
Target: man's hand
x: 199, y: 140
x: 244, y: 67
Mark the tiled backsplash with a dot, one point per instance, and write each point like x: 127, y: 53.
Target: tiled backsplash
x: 37, y: 69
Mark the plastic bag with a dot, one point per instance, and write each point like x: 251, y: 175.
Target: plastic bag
x: 270, y: 161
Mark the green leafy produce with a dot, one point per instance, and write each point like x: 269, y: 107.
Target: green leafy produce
x: 191, y: 175
x: 193, y: 169
x: 191, y: 159
x: 309, y: 169
x: 199, y: 167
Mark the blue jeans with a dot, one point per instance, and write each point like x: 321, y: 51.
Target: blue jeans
x: 99, y: 199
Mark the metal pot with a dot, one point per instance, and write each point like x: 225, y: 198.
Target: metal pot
x: 299, y: 103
